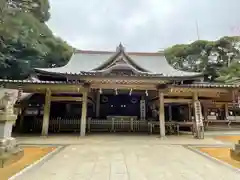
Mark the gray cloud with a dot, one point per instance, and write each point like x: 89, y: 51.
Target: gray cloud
x: 142, y: 25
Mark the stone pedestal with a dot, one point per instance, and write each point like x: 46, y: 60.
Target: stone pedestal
x: 9, y: 149
x: 235, y: 153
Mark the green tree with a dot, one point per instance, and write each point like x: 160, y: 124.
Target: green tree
x: 39, y: 8
x: 208, y: 57
x: 27, y: 42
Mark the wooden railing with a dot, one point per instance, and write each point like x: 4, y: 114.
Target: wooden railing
x: 64, y: 124
x: 60, y: 124
x: 117, y: 124
x: 228, y: 120
x: 172, y: 127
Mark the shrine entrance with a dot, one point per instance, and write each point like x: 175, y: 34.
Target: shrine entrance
x: 119, y: 105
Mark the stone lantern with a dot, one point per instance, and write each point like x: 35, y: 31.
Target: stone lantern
x: 9, y: 149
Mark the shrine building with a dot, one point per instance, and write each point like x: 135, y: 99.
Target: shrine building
x: 121, y: 91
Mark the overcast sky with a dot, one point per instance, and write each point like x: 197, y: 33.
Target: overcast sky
x: 142, y: 25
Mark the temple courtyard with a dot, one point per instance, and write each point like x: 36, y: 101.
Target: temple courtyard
x: 128, y: 157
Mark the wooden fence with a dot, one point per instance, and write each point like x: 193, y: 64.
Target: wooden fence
x: 72, y: 124
x: 117, y: 125
x: 61, y: 124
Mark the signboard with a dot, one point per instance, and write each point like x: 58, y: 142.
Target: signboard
x: 198, y: 114
x: 238, y: 101
x: 31, y: 111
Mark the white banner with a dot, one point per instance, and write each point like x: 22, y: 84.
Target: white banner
x: 198, y: 113
x: 142, y: 110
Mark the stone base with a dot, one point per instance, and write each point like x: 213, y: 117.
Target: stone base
x: 199, y: 133
x: 235, y: 153
x: 9, y: 159
x: 9, y: 151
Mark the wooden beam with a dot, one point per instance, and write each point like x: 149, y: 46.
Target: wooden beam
x: 124, y: 86
x: 41, y: 88
x: 206, y: 102
x: 126, y: 79
x: 198, y: 90
x: 65, y: 98
x: 212, y: 94
x: 177, y: 100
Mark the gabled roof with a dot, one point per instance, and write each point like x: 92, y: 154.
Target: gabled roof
x: 84, y: 62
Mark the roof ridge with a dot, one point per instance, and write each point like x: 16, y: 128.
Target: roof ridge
x: 93, y: 52
x: 146, y: 53
x: 112, y: 52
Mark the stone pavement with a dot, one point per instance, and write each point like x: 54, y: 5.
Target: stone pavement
x: 128, y: 158
x: 117, y: 139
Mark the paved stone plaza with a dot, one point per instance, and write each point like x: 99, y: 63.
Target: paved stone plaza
x: 122, y: 157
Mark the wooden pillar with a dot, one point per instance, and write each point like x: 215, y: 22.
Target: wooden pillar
x: 161, y: 114
x: 21, y: 120
x: 170, y: 112
x: 226, y: 111
x: 24, y: 106
x: 46, y: 114
x: 205, y: 112
x: 84, y: 114
x: 98, y: 105
x: 195, y: 98
x: 189, y: 112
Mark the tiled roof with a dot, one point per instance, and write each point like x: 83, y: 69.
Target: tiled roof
x: 209, y: 85
x: 85, y: 62
x: 196, y: 85
x: 38, y: 82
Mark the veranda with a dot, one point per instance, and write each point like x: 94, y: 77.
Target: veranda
x: 75, y: 108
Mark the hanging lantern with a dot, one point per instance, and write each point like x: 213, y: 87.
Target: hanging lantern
x: 104, y: 99
x: 134, y: 100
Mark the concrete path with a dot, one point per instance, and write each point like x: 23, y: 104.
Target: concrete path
x: 132, y: 158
